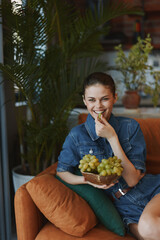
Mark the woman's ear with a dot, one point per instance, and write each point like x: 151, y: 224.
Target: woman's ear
x: 84, y: 100
x: 115, y: 98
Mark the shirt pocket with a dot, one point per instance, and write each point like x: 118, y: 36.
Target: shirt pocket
x: 91, y: 149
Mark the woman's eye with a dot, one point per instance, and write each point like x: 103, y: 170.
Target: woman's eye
x: 105, y: 99
x: 91, y: 100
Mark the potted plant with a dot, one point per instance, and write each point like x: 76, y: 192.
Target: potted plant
x: 134, y: 66
x: 54, y: 48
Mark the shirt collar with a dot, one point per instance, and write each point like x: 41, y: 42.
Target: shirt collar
x: 90, y: 126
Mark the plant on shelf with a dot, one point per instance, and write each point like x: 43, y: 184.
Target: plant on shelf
x: 54, y: 47
x: 134, y: 65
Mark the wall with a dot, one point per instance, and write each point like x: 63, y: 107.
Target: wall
x: 123, y: 28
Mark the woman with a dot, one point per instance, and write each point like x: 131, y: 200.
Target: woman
x: 136, y: 195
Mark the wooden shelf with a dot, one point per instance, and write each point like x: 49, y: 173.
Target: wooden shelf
x: 121, y: 111
x: 152, y: 8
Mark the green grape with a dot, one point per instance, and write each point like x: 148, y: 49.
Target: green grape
x: 82, y: 169
x: 107, y: 166
x: 115, y: 170
x: 95, y: 160
x: 119, y: 173
x: 103, y: 173
x: 87, y: 159
x: 82, y: 161
x: 119, y: 160
x: 89, y: 169
x: 117, y: 164
x: 97, y: 164
x: 99, y: 115
x: 85, y: 165
x: 80, y: 166
x: 102, y: 165
x: 115, y: 158
x: 93, y: 157
x: 92, y: 165
x: 104, y: 161
x: 108, y: 172
x: 99, y: 169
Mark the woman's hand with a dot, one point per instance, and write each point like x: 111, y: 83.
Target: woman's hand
x: 75, y: 179
x: 103, y: 128
x: 104, y: 186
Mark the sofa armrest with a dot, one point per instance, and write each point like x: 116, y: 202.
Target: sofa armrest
x: 29, y: 220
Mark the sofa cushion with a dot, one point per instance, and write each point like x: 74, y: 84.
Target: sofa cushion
x: 101, y: 205
x: 50, y: 232
x: 61, y: 206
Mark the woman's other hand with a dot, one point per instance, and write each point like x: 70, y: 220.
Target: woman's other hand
x: 104, y: 186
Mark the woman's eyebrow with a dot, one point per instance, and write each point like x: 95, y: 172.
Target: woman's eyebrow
x: 105, y: 96
x: 101, y: 97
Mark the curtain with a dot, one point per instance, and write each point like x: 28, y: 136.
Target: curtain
x: 5, y: 206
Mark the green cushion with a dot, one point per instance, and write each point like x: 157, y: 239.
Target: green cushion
x: 101, y: 205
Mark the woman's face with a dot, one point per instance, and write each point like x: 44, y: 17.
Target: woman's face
x: 99, y: 99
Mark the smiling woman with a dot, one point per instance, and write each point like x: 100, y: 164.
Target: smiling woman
x: 99, y: 95
x: 108, y: 137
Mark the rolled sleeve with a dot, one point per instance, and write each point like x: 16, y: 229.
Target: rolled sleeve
x: 137, y: 154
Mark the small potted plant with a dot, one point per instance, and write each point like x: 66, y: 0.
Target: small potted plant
x: 134, y: 67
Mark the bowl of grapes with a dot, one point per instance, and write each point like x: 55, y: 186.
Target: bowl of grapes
x: 101, y: 173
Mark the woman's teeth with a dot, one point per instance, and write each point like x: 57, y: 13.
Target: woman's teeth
x: 99, y: 112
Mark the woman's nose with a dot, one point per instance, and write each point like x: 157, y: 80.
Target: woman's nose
x: 98, y: 103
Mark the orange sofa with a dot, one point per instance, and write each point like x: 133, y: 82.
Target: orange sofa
x: 46, y: 209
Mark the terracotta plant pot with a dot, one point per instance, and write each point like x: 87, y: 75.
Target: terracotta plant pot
x: 131, y: 99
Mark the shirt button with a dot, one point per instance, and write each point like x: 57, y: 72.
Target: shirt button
x: 90, y: 151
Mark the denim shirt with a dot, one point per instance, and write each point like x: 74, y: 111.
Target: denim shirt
x: 83, y: 140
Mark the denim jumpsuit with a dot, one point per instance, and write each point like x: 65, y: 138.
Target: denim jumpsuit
x: 83, y: 140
